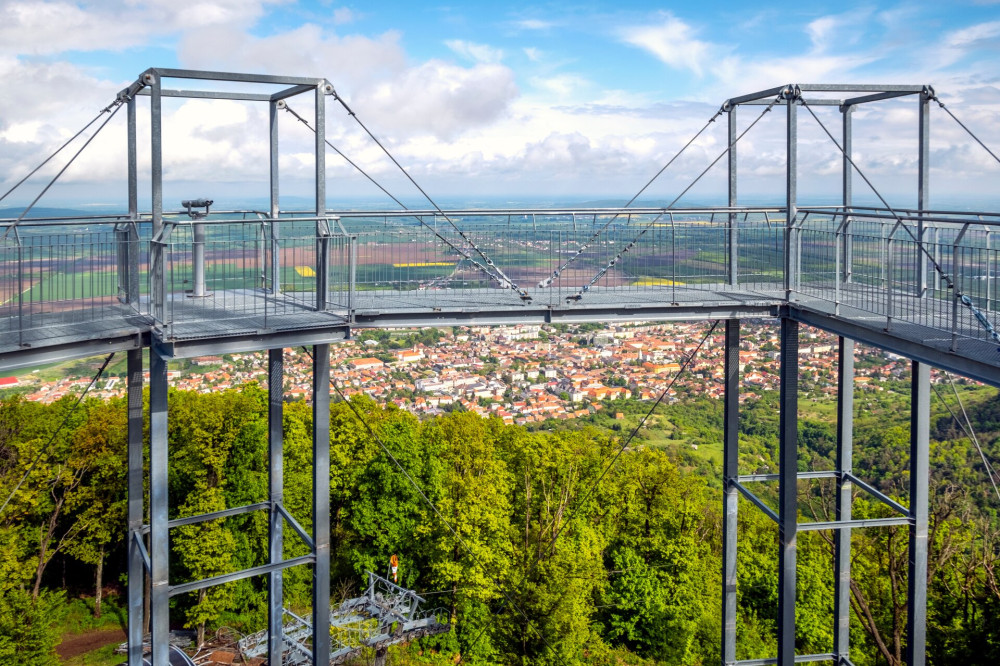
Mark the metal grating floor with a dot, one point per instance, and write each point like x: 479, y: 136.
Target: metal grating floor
x: 926, y: 322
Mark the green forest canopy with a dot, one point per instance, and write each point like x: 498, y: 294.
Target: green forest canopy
x: 634, y: 575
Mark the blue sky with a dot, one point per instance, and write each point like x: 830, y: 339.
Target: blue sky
x: 543, y: 101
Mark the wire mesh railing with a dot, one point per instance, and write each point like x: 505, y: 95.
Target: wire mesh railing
x: 557, y: 257
x: 237, y: 273
x: 934, y: 270
x: 70, y: 278
x: 232, y: 277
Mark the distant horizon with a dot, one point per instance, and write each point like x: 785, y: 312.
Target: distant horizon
x: 552, y: 102
x: 297, y: 202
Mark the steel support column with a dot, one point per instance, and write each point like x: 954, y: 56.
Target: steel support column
x: 136, y: 497
x: 321, y: 504
x: 730, y: 493
x: 733, y: 241
x: 842, y: 537
x: 275, y: 471
x: 916, y: 617
x: 157, y: 252
x: 159, y: 530
x: 275, y: 250
x: 131, y: 277
x: 788, y: 489
x: 322, y: 226
x: 791, y: 190
x: 133, y: 166
x: 847, y: 244
x: 923, y: 184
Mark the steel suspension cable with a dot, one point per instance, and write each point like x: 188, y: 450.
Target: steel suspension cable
x: 951, y: 284
x: 347, y: 159
x: 990, y: 472
x: 621, y: 449
x: 583, y: 247
x: 444, y: 521
x: 962, y: 125
x: 58, y: 150
x: 601, y: 273
x: 65, y: 420
x: 117, y: 105
x: 461, y: 251
x: 489, y: 262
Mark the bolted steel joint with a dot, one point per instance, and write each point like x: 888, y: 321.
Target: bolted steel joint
x: 791, y: 92
x: 728, y: 106
x: 281, y: 104
x: 928, y: 92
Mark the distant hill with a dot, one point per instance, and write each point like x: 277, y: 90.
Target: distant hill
x: 45, y: 212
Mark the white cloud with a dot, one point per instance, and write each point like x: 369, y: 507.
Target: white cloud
x: 344, y: 15
x: 349, y: 62
x: 672, y: 41
x: 481, y: 53
x: 463, y: 127
x: 954, y: 46
x: 561, y: 86
x: 838, y: 30
x: 372, y: 74
x: 439, y: 98
x: 534, y: 24
x: 50, y: 27
x: 973, y: 35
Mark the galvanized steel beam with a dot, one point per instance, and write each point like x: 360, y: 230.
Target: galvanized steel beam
x: 813, y: 474
x: 877, y: 97
x: 275, y: 181
x: 873, y: 334
x: 847, y: 184
x: 275, y: 473
x: 131, y: 278
x: 157, y: 258
x: 209, y: 94
x: 788, y: 504
x: 216, y: 515
x: 845, y: 457
x: 877, y: 494
x: 236, y: 77
x: 730, y: 497
x: 923, y: 184
x: 321, y: 504
x: 791, y: 193
x: 116, y: 341
x: 768, y: 511
x: 136, y: 506
x: 306, y: 539
x: 178, y: 349
x: 799, y: 659
x: 196, y: 585
x: 159, y: 537
x: 916, y: 616
x: 292, y: 92
x: 733, y: 247
x: 845, y: 526
x: 322, y: 226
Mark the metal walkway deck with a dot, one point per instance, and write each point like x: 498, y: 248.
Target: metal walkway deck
x: 73, y: 288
